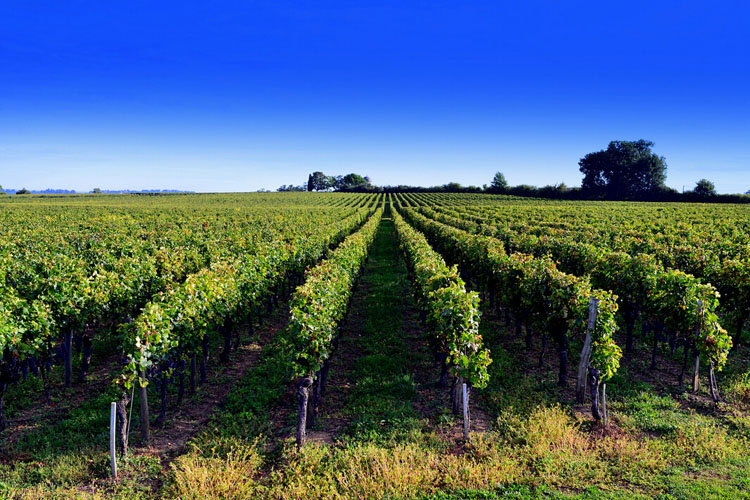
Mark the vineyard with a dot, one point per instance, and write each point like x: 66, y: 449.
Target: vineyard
x: 332, y: 345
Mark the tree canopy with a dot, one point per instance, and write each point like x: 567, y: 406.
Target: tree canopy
x: 626, y: 170
x: 349, y: 181
x: 319, y: 181
x: 291, y: 187
x: 704, y: 188
x: 499, y: 184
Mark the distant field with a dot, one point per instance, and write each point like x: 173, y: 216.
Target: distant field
x: 347, y: 323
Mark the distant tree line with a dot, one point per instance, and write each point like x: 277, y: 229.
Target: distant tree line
x: 318, y: 181
x: 629, y: 170
x: 292, y: 187
x: 625, y: 170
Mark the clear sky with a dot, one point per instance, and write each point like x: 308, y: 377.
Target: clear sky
x: 237, y: 96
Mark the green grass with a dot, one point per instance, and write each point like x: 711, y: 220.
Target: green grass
x: 380, y: 401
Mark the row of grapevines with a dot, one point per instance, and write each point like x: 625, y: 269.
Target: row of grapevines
x: 670, y: 300
x: 85, y: 270
x: 534, y: 290
x: 176, y: 321
x: 710, y: 244
x: 315, y: 313
x: 451, y: 312
x: 177, y: 325
x: 87, y: 287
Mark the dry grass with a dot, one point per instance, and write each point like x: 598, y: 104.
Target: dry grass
x: 231, y: 473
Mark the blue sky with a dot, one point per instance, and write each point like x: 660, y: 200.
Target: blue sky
x: 237, y: 96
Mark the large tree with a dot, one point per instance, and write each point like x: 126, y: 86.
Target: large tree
x: 704, y: 188
x: 350, y: 181
x: 320, y: 182
x: 499, y: 184
x: 626, y: 170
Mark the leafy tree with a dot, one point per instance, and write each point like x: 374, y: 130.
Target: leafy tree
x: 2, y: 191
x: 96, y: 191
x: 23, y: 191
x: 499, y: 184
x: 354, y: 180
x: 350, y: 181
x: 625, y: 170
x: 704, y: 188
x: 320, y: 182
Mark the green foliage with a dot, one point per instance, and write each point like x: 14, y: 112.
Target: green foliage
x: 704, y: 188
x: 625, y: 170
x: 499, y: 184
x: 657, y: 446
x: 605, y: 353
x: 452, y: 313
x: 318, y: 181
x: 534, y: 289
x: 665, y: 297
x: 175, y: 324
x: 318, y: 306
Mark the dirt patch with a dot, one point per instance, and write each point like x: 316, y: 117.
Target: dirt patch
x: 332, y: 419
x: 62, y: 401
x: 185, y: 422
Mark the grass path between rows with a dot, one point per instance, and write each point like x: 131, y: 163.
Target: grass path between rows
x: 381, y: 374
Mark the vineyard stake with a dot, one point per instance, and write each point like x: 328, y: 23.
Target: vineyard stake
x: 303, y: 394
x: 466, y: 413
x: 143, y: 391
x: 586, y: 352
x: 696, y: 353
x: 68, y: 356
x: 130, y: 418
x: 112, y: 438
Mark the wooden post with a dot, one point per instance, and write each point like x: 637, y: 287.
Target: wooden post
x: 192, y: 374
x: 112, y: 438
x: 143, y: 392
x: 204, y: 359
x: 303, y: 393
x: 594, y: 378
x: 605, y: 413
x: 123, y: 421
x: 714, y: 388
x: 586, y: 352
x: 696, y: 353
x: 696, y: 369
x: 68, y: 356
x: 466, y: 412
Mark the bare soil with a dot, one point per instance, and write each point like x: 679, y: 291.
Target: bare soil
x: 184, y: 423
